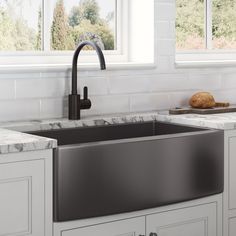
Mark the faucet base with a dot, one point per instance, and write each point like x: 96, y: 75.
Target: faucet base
x: 74, y: 107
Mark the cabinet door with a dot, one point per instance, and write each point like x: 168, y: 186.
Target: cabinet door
x: 232, y: 227
x: 194, y: 221
x: 22, y: 198
x: 129, y: 227
x: 232, y: 173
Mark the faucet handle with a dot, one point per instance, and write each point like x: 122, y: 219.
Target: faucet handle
x: 85, y: 93
x: 85, y: 103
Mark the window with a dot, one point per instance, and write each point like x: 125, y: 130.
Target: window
x: 19, y: 25
x: 24, y: 26
x: 73, y: 21
x: 47, y: 31
x: 224, y: 24
x: 190, y: 25
x: 206, y: 27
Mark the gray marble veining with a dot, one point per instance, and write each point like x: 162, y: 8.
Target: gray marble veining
x: 86, y: 121
x: 223, y: 121
x: 13, y: 141
x: 216, y: 121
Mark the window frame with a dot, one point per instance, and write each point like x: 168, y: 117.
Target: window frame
x: 208, y: 55
x: 47, y: 57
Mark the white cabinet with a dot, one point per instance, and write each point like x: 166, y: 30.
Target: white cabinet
x: 194, y: 221
x: 230, y: 184
x: 232, y: 173
x: 232, y: 226
x: 22, y: 198
x: 198, y: 220
x: 25, y: 194
x: 129, y: 227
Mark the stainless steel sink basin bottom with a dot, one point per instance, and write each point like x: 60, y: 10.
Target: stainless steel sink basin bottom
x: 128, y: 167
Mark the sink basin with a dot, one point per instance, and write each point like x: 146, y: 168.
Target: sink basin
x: 120, y: 168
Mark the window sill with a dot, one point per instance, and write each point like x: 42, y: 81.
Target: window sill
x: 205, y: 59
x: 205, y: 64
x: 83, y: 67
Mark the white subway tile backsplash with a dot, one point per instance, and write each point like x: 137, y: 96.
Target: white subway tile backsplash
x: 166, y: 47
x: 43, y: 94
x: 53, y: 108
x: 225, y: 96
x: 7, y: 89
x: 167, y: 1
x: 55, y: 74
x: 147, y: 102
x: 228, y: 81
x: 18, y: 75
x: 19, y: 110
x: 28, y: 88
x: 169, y: 82
x: 165, y: 30
x: 166, y: 11
x: 163, y: 64
x: 205, y: 81
x: 54, y: 87
x: 127, y: 84
x: 180, y: 99
x: 108, y: 104
x: 39, y: 88
x: 96, y: 85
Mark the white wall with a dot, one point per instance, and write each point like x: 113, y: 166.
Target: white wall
x: 43, y: 94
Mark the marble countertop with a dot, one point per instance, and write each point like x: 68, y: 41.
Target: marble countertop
x: 13, y: 140
x: 51, y: 124
x: 222, y: 121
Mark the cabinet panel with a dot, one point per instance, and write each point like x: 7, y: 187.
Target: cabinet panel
x: 15, y: 207
x: 232, y: 227
x: 129, y: 227
x: 194, y: 221
x: 22, y: 198
x: 232, y: 173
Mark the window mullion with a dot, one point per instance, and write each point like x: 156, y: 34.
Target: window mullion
x: 46, y: 25
x: 208, y: 24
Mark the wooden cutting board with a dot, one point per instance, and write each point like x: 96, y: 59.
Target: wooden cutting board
x: 214, y: 110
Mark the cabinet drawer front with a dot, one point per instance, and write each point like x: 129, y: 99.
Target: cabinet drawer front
x: 22, y: 198
x: 130, y: 227
x: 194, y: 221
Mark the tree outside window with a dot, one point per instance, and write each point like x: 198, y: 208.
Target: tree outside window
x: 202, y: 27
x: 72, y: 21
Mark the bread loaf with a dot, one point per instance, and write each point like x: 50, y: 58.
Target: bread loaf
x: 202, y: 100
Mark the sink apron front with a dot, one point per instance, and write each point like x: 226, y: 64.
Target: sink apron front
x: 117, y: 176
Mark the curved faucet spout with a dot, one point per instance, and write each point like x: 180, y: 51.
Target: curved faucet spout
x: 75, y: 61
x: 75, y: 101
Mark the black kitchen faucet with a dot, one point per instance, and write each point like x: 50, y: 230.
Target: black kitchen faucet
x: 75, y: 102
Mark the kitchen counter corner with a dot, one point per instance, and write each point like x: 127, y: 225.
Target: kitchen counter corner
x: 13, y: 141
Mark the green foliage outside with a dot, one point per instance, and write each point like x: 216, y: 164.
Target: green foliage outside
x: 190, y: 24
x: 15, y: 34
x: 60, y: 33
x: 39, y: 32
x: 190, y: 31
x: 83, y: 23
x: 87, y: 9
x: 224, y: 24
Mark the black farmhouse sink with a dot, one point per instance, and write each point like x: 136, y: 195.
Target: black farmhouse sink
x: 127, y: 167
